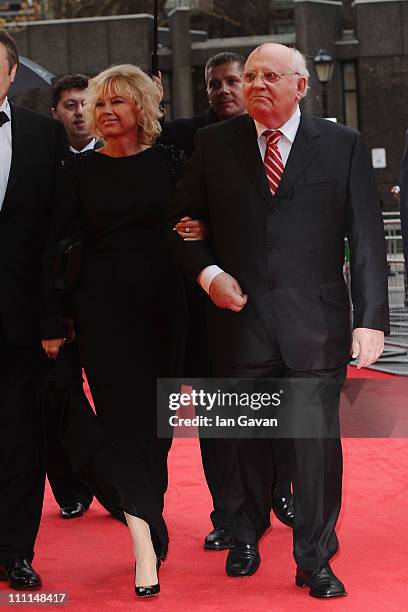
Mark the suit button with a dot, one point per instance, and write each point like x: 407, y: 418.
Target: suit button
x: 272, y: 287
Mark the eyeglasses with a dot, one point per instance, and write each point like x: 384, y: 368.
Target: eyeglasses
x: 268, y: 77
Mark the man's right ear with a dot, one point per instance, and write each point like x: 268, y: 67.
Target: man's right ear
x: 13, y: 72
x: 54, y: 114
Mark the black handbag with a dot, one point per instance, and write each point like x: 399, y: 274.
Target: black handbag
x: 68, y: 262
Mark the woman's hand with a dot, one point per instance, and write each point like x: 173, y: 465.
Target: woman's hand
x: 191, y: 229
x: 52, y: 347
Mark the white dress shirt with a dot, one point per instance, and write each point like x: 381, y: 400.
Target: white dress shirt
x: 5, y: 151
x: 88, y: 147
x: 289, y: 131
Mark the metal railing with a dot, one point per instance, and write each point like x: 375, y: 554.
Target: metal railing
x: 397, y: 281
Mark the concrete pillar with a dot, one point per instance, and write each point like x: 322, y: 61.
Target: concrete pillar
x: 182, y: 86
x: 131, y: 40
x: 319, y: 24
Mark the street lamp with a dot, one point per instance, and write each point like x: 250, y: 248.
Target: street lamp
x: 324, y: 66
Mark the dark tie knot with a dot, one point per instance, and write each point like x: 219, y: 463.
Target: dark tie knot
x: 272, y: 137
x: 3, y: 118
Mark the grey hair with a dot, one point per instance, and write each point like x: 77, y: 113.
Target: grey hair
x: 300, y: 66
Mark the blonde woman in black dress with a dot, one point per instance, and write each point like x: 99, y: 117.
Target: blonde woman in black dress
x: 128, y: 302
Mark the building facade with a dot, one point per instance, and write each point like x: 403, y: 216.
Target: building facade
x: 368, y: 39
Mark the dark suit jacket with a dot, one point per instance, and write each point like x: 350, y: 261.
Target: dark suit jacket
x: 287, y: 251
x: 403, y: 182
x: 38, y: 145
x: 181, y: 132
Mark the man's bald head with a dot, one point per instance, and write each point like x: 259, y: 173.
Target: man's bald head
x: 289, y: 53
x: 273, y: 102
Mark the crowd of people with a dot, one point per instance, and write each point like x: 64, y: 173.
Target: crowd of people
x: 249, y: 285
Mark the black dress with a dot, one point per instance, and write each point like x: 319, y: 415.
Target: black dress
x: 129, y: 313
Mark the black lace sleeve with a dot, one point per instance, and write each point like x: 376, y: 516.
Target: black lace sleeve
x: 175, y: 158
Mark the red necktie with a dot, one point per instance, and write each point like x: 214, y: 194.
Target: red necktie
x: 273, y: 160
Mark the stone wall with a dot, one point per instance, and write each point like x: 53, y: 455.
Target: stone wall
x: 378, y: 45
x: 86, y: 45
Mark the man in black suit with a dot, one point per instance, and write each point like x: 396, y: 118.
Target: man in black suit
x: 225, y: 96
x: 31, y: 147
x: 68, y: 98
x: 292, y: 187
x: 223, y: 77
x: 71, y: 493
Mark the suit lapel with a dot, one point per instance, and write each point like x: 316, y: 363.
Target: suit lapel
x: 245, y: 145
x: 304, y: 149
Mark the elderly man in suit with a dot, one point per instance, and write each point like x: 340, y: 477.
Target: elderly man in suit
x: 31, y: 147
x: 223, y: 78
x: 291, y: 187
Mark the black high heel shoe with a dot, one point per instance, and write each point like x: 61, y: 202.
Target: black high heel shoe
x: 153, y: 589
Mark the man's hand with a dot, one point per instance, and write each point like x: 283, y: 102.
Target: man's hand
x: 368, y: 345
x: 225, y: 292
x: 52, y: 347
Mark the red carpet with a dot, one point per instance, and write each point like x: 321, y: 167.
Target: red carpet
x: 353, y: 372
x: 91, y: 557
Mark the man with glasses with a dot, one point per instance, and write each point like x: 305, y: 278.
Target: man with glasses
x: 292, y: 187
x: 224, y: 87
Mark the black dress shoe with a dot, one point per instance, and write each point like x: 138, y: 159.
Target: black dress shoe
x: 70, y: 512
x: 322, y: 584
x: 20, y: 574
x: 149, y: 591
x: 243, y: 559
x: 220, y: 538
x: 284, y: 510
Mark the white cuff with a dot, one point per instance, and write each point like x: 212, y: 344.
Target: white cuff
x: 206, y: 276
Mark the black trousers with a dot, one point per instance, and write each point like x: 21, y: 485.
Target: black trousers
x: 66, y: 486
x: 316, y: 467
x: 280, y: 484
x: 60, y: 377
x: 22, y: 465
x: 198, y: 365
